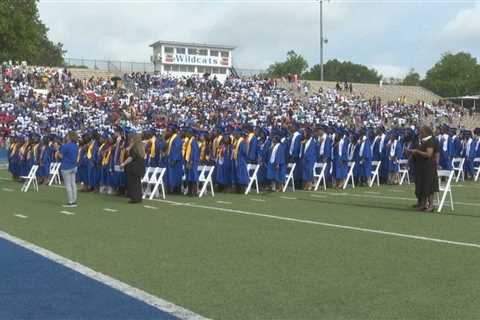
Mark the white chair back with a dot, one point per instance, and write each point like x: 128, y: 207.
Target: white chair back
x: 375, y: 173
x: 319, y: 175
x: 156, y: 181
x: 31, y: 178
x: 350, y: 177
x: 476, y: 167
x: 252, y: 174
x: 445, y: 178
x: 290, y: 179
x: 205, y: 180
x: 54, y: 173
x: 404, y: 171
x: 457, y: 167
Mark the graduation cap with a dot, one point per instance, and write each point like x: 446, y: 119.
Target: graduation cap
x: 477, y: 131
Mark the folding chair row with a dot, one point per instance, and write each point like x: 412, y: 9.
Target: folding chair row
x: 319, y: 175
x: 290, y: 179
x: 205, y: 180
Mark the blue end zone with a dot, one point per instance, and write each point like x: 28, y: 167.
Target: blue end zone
x: 33, y: 287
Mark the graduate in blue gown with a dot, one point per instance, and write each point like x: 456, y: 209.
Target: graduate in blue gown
x: 252, y: 144
x: 380, y: 153
x: 325, y: 143
x: 446, y: 149
x: 239, y: 157
x: 276, y: 164
x: 340, y: 159
x: 395, y: 153
x: 191, y: 159
x: 364, y: 159
x: 264, y: 147
x: 92, y: 161
x: 83, y: 163
x: 174, y: 159
x: 294, y: 143
x: 119, y: 156
x: 457, y: 143
x: 223, y: 166
x: 309, y: 157
x: 106, y: 165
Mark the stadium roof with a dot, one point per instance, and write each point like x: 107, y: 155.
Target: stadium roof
x: 191, y: 44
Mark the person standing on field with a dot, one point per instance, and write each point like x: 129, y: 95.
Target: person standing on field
x: 68, y: 154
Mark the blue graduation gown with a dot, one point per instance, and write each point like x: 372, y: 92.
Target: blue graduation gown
x: 175, y: 168
x: 92, y: 167
x: 240, y: 172
x: 253, y: 150
x: 393, y: 166
x: 263, y: 160
x: 365, y: 160
x: 276, y: 171
x: 223, y: 168
x: 192, y: 173
x: 446, y: 156
x: 340, y: 165
x: 309, y: 157
x: 326, y: 157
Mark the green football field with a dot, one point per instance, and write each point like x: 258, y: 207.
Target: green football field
x: 354, y: 254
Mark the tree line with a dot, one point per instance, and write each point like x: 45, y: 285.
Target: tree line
x: 453, y: 75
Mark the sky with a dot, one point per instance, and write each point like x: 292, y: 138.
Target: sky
x: 391, y: 36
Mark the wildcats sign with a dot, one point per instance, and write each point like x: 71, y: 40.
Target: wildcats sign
x: 195, y: 60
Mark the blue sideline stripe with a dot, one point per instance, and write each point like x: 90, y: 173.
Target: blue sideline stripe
x: 33, y: 287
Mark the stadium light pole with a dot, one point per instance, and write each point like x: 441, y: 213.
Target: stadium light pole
x: 322, y: 40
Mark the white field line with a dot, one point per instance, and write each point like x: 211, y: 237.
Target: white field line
x: 133, y: 292
x: 258, y: 200
x: 330, y: 225
x: 224, y: 202
x: 6, y: 179
x: 287, y: 198
x: 21, y: 216
x: 68, y: 213
x: 318, y: 196
x: 150, y: 207
x: 8, y: 189
x: 371, y: 192
x: 110, y: 210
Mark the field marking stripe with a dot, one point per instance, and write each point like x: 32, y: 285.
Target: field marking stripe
x: 8, y: 189
x: 133, y: 292
x: 67, y: 212
x: 20, y: 216
x: 287, y: 198
x: 224, y: 202
x: 331, y: 225
x: 110, y: 210
x: 258, y: 200
x: 393, y: 198
x: 150, y: 207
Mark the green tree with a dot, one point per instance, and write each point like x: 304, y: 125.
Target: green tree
x: 335, y: 70
x: 23, y: 36
x: 412, y: 78
x: 295, y: 64
x: 454, y: 75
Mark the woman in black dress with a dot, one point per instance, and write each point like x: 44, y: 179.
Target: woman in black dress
x: 134, y: 168
x: 426, y: 169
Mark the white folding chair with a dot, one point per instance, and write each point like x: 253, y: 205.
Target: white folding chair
x: 148, y: 174
x: 445, y: 188
x: 404, y: 171
x: 457, y: 167
x: 147, y: 182
x: 375, y: 173
x: 476, y: 168
x: 351, y: 166
x: 157, y: 181
x: 252, y: 173
x: 290, y: 179
x: 205, y: 180
x: 54, y: 172
x: 319, y: 176
x: 31, y: 178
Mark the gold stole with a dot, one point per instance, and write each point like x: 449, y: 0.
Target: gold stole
x: 187, y: 152
x: 202, y: 145
x: 216, y: 143
x: 13, y: 149
x: 152, y: 147
x: 90, y: 150
x: 170, y: 142
x: 237, y: 147
x: 106, y: 156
